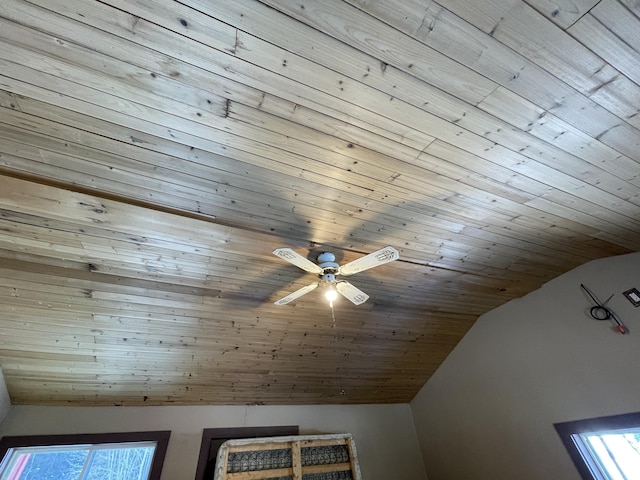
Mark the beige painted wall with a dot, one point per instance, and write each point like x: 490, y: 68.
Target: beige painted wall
x: 489, y: 410
x: 385, y: 436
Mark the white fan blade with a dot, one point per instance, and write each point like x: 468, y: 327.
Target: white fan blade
x: 296, y: 294
x: 379, y: 257
x: 297, y: 259
x: 354, y: 294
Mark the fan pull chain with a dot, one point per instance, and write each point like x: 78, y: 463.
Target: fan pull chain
x: 333, y: 316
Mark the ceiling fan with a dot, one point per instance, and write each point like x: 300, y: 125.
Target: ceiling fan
x: 327, y: 269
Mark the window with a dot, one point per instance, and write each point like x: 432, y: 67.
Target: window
x: 605, y: 448
x: 109, y: 456
x: 213, y: 438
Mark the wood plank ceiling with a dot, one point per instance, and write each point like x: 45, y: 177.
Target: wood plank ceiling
x: 153, y: 153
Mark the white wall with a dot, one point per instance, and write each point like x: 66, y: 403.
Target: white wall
x: 488, y: 412
x: 385, y: 436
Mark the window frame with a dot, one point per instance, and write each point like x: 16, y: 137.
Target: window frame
x: 599, y: 424
x: 213, y: 438
x: 161, y: 439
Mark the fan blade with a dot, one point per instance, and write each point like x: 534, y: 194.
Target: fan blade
x: 296, y: 294
x: 379, y: 257
x: 354, y: 294
x: 297, y: 259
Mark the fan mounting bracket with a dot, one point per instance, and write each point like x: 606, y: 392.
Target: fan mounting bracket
x: 327, y: 278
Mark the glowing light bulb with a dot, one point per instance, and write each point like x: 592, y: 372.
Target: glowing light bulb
x: 331, y: 294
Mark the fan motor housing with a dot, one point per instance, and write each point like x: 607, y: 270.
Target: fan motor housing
x: 327, y: 262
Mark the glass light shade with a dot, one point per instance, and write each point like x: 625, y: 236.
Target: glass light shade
x: 331, y: 293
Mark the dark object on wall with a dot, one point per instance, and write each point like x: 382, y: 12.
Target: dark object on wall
x: 601, y: 312
x: 633, y: 295
x: 213, y: 438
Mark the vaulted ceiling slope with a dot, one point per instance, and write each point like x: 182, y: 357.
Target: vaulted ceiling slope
x: 154, y: 153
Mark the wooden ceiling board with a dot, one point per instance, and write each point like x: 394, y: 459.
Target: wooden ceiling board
x: 154, y: 154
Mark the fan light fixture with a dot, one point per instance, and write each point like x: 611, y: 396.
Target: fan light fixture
x: 327, y: 269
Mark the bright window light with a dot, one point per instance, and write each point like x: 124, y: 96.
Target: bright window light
x: 611, y: 455
x: 79, y: 462
x: 604, y: 448
x: 99, y: 456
